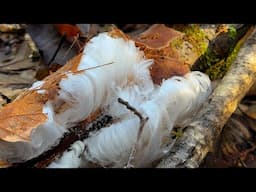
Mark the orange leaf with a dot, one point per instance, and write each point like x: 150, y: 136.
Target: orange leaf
x: 19, y: 118
x: 155, y: 42
x: 164, y: 68
x: 68, y: 30
x: 157, y: 36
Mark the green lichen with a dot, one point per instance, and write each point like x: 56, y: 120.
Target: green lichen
x: 218, y: 70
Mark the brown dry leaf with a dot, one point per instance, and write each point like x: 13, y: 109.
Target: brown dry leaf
x: 17, y: 64
x: 24, y: 114
x: 158, y: 36
x: 155, y: 42
x: 165, y: 68
x: 18, y: 118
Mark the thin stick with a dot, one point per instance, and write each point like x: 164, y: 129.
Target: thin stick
x: 98, y: 66
x: 71, y: 46
x: 95, y: 67
x: 128, y: 106
x: 142, y: 123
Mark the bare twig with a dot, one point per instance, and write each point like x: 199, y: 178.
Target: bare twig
x: 98, y: 66
x: 128, y: 106
x: 71, y: 46
x: 142, y: 123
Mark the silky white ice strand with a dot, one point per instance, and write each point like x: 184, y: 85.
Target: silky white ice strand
x: 175, y: 102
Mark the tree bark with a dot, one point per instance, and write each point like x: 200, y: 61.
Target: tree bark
x: 198, y: 138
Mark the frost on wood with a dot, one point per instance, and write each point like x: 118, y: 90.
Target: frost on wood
x: 199, y: 136
x: 173, y: 103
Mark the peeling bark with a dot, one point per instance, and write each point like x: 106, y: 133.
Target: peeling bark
x: 199, y: 136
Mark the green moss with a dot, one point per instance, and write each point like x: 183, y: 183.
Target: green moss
x: 207, y: 60
x: 218, y: 70
x: 195, y: 36
x: 232, y: 32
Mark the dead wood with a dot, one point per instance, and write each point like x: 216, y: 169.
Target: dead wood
x: 199, y: 136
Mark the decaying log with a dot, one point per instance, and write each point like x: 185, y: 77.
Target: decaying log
x: 199, y: 136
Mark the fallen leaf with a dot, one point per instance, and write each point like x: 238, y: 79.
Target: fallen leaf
x: 155, y: 42
x: 67, y: 29
x: 25, y: 113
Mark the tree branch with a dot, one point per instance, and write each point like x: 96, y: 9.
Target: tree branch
x: 199, y: 136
